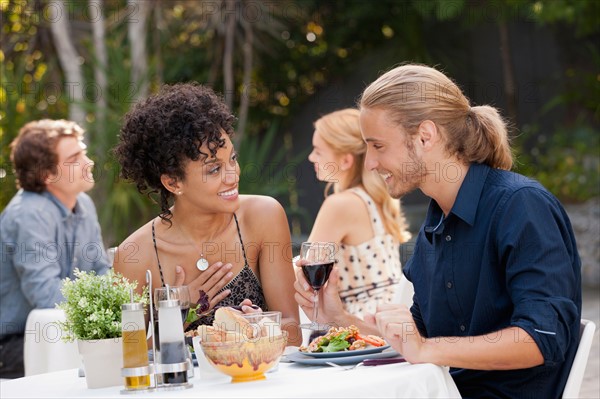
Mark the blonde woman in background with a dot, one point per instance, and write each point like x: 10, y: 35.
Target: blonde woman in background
x: 358, y: 214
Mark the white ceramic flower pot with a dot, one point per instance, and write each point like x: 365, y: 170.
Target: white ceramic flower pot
x: 102, y: 362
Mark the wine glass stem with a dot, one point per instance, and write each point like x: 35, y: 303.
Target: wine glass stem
x: 316, y: 307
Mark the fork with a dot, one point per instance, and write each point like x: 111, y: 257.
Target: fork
x: 344, y: 368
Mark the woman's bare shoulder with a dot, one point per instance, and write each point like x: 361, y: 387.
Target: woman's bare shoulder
x: 342, y: 204
x: 137, y: 249
x: 261, y: 213
x: 254, y: 207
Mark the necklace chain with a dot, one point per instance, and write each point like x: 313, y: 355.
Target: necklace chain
x: 201, y: 263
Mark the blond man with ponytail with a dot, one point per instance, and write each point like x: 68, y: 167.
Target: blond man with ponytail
x: 358, y: 214
x: 495, y: 269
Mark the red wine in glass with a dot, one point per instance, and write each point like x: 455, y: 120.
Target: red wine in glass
x: 317, y: 274
x: 184, y: 312
x: 317, y: 259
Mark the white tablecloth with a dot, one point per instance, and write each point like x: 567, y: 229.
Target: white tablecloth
x: 290, y: 380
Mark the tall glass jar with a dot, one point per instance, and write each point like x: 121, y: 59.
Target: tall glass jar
x: 172, y: 345
x: 135, y: 349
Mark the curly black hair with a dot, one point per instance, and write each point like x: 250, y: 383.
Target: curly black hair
x: 161, y: 134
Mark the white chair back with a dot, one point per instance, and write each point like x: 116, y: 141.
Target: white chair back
x: 44, y: 349
x: 110, y: 252
x: 586, y: 337
x: 405, y: 292
x: 305, y: 331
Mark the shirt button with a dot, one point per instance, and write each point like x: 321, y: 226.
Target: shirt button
x: 449, y: 284
x: 448, y: 238
x: 1, y: 364
x: 462, y: 327
x: 74, y: 260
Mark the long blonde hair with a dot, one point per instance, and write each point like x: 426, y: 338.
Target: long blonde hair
x: 414, y: 93
x: 341, y: 131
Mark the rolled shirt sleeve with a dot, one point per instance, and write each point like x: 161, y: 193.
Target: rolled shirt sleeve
x: 536, y: 243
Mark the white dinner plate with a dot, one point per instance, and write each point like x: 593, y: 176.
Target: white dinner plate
x: 299, y: 357
x: 359, y: 352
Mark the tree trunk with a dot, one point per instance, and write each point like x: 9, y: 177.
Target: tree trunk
x: 136, y: 32
x: 69, y: 61
x: 100, y: 69
x: 228, y: 83
x: 508, y: 72
x: 157, y: 43
x: 217, y: 59
x: 246, y: 89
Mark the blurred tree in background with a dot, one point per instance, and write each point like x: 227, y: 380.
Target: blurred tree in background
x: 90, y: 60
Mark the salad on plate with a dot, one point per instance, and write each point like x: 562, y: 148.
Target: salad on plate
x: 340, y: 339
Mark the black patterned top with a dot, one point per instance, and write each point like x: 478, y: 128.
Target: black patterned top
x: 244, y: 285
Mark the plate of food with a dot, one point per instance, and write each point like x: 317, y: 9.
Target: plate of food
x: 302, y: 358
x: 344, y: 341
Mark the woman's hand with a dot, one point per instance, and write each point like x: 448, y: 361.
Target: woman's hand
x: 246, y: 306
x: 208, y: 283
x: 330, y: 305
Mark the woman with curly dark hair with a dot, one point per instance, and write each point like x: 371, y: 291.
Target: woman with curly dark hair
x: 225, y: 247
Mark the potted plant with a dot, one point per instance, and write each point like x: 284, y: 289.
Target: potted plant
x: 92, y: 307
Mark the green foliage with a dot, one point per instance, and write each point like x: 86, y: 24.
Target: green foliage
x: 261, y: 165
x: 92, y: 304
x: 581, y: 15
x: 442, y: 9
x: 121, y: 208
x: 297, y: 50
x: 265, y: 169
x: 26, y: 85
x: 567, y: 162
x: 567, y: 159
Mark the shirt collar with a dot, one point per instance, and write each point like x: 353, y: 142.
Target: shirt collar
x: 433, y: 221
x: 64, y: 211
x: 467, y: 200
x: 465, y: 205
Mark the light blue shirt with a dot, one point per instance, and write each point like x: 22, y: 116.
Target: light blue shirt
x: 42, y: 243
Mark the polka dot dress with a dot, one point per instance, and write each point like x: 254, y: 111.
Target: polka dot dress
x: 369, y: 272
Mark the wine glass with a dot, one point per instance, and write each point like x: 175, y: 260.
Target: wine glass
x: 316, y: 260
x: 182, y: 293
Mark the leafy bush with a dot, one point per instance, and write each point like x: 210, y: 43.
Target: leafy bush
x: 567, y: 162
x: 266, y: 169
x: 93, y: 304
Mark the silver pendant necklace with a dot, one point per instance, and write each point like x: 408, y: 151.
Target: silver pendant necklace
x: 202, y: 264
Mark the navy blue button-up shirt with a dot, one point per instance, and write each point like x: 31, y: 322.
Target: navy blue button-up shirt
x: 504, y: 256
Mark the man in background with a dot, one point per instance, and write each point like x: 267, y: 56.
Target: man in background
x: 48, y: 229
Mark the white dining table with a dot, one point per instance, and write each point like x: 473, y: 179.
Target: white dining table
x: 291, y: 380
